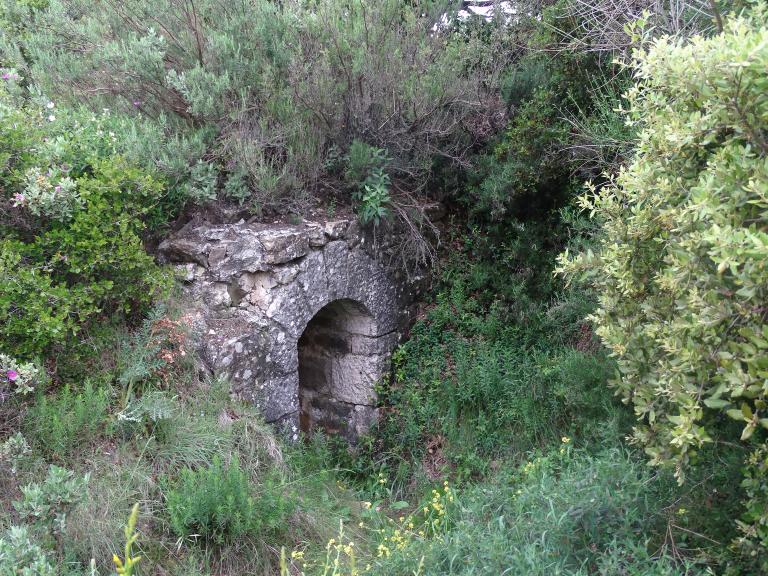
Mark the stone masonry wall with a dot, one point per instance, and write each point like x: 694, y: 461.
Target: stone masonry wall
x: 253, y: 289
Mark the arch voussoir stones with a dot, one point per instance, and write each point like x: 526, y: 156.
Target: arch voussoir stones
x: 301, y: 318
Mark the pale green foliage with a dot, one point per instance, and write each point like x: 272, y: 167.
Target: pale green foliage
x: 22, y: 377
x: 53, y: 195
x: 680, y: 262
x: 264, y: 89
x: 14, y: 451
x: 19, y: 556
x: 48, y: 504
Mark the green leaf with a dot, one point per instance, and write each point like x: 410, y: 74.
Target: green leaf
x: 716, y: 403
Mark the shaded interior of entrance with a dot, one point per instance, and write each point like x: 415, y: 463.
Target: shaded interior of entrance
x: 339, y: 363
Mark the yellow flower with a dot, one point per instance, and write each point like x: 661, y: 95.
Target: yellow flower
x: 565, y: 439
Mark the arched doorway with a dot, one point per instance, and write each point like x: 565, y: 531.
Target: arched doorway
x: 340, y: 361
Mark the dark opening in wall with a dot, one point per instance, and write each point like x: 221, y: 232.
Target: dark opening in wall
x: 340, y: 361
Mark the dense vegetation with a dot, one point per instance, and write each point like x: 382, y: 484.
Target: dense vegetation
x: 584, y: 389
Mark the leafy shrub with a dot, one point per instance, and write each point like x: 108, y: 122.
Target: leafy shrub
x: 264, y: 90
x: 14, y: 451
x: 21, y: 378
x: 562, y: 124
x: 679, y: 263
x: 374, y: 198
x: 68, y: 251
x: 20, y: 556
x: 218, y: 504
x: 48, y: 504
x: 66, y: 420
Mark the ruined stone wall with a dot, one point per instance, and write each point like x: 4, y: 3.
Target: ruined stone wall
x: 252, y: 290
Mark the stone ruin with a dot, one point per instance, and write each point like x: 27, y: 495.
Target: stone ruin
x: 302, y: 319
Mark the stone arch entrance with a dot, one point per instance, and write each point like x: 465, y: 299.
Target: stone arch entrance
x: 339, y: 364
x: 301, y: 319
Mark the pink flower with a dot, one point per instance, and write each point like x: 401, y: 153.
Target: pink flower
x: 19, y: 199
x: 12, y: 375
x: 57, y: 188
x: 8, y: 76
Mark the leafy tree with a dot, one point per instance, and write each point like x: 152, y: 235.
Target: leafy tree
x: 680, y: 260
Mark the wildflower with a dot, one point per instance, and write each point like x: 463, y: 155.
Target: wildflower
x: 565, y: 439
x: 19, y: 199
x: 12, y: 375
x: 367, y: 505
x: 51, y: 118
x: 50, y: 105
x: 8, y: 76
x: 137, y: 103
x: 383, y: 550
x: 57, y: 188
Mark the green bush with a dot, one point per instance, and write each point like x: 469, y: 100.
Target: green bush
x: 62, y: 422
x: 563, y: 124
x: 47, y: 505
x: 679, y: 261
x: 20, y: 556
x: 218, y: 504
x: 71, y: 246
x: 257, y: 94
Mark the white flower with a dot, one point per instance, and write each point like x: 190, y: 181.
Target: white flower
x: 50, y: 105
x: 51, y: 118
